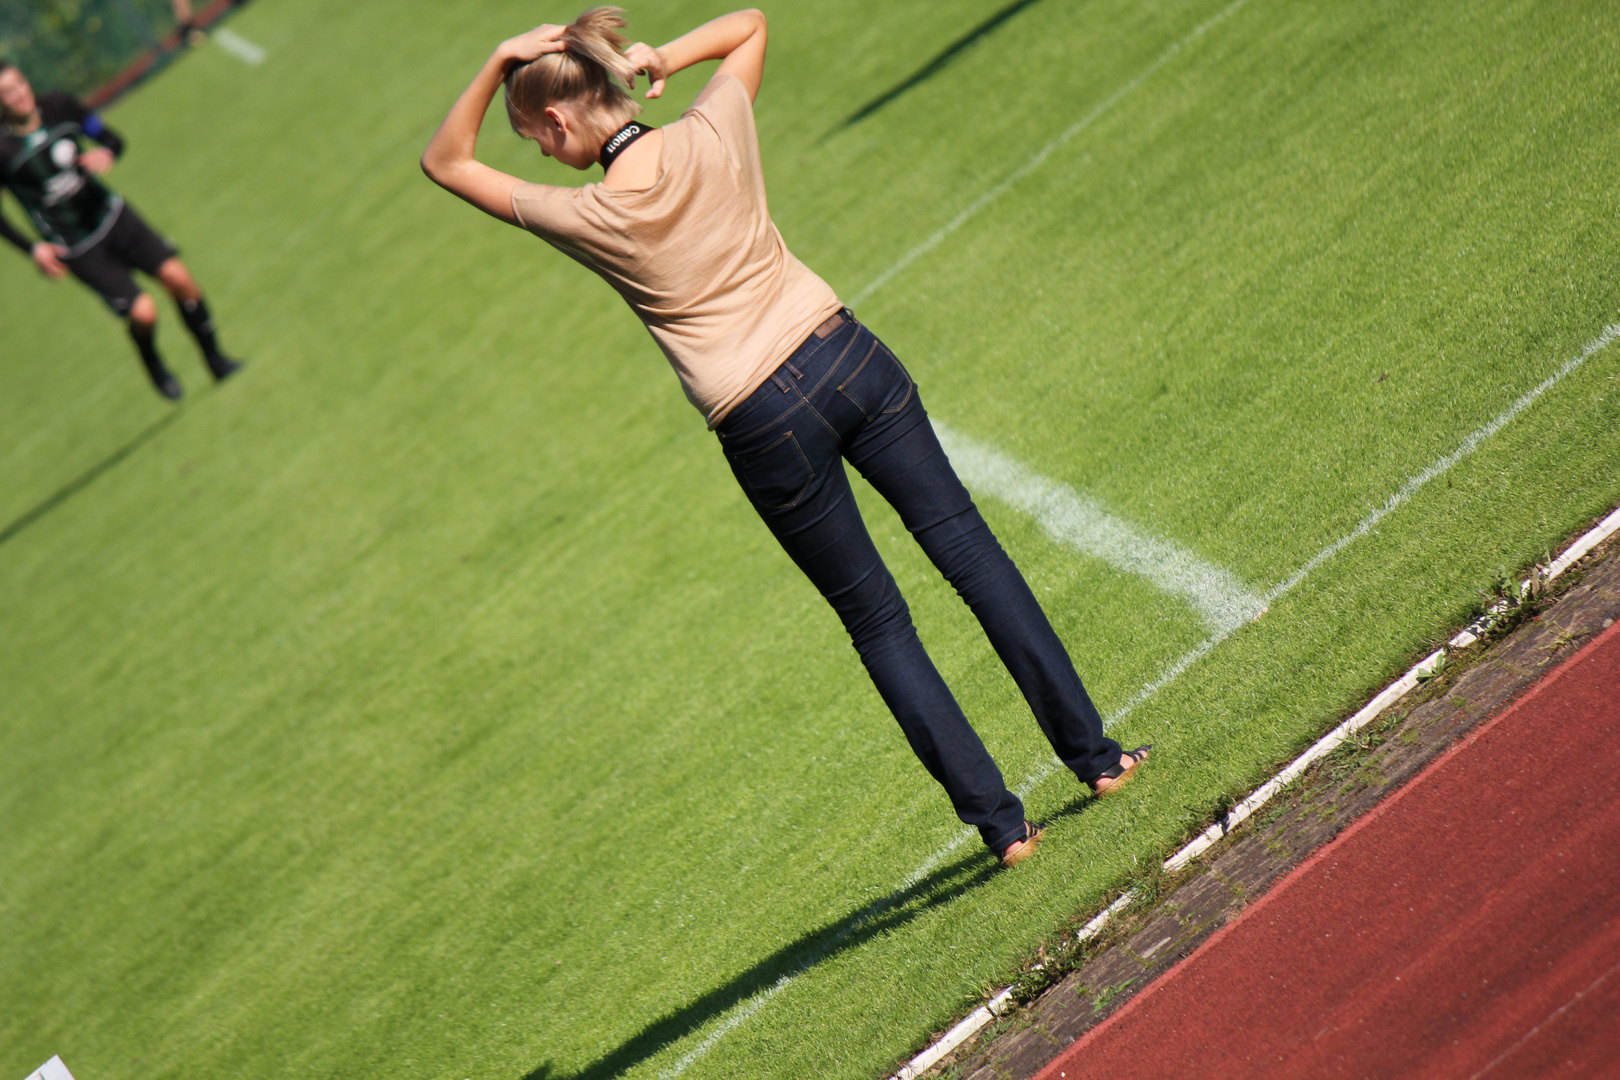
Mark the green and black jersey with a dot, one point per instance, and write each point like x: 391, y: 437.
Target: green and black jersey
x: 67, y: 205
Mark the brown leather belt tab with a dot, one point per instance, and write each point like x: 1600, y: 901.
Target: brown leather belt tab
x: 834, y: 321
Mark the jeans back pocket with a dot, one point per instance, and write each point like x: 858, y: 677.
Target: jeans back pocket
x: 777, y: 476
x: 878, y: 385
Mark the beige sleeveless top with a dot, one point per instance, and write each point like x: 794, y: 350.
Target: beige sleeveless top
x: 696, y: 255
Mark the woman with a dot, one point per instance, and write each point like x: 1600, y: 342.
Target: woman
x: 787, y: 377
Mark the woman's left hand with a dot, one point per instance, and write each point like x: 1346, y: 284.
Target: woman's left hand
x: 650, y: 60
x: 533, y: 45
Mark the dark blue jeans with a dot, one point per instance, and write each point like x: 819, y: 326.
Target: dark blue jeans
x: 846, y: 396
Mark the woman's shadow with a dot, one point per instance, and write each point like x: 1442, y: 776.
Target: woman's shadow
x: 812, y: 948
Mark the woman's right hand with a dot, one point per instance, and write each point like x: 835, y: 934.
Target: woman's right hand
x: 533, y: 45
x: 650, y: 60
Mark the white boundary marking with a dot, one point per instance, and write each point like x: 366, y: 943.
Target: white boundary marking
x: 1392, y: 693
x: 1040, y: 157
x: 1262, y: 795
x: 238, y: 46
x: 1469, y: 445
x: 1225, y: 627
x: 1078, y: 522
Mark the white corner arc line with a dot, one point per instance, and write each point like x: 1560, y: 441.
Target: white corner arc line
x: 1079, y: 522
x: 239, y: 46
x: 973, y: 208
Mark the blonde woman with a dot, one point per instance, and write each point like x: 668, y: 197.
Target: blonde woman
x: 788, y: 379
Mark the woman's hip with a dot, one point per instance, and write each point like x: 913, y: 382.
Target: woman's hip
x: 841, y: 378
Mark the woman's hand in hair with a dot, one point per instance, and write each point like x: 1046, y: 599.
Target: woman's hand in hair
x: 649, y: 60
x: 533, y: 45
x: 736, y: 40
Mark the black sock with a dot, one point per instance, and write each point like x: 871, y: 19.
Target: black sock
x: 201, y: 325
x: 145, y: 336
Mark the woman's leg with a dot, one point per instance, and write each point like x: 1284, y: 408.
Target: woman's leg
x: 789, y: 465
x: 900, y: 455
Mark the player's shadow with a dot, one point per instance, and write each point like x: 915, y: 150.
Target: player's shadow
x: 89, y: 476
x: 935, y: 66
x: 814, y: 947
x: 895, y: 910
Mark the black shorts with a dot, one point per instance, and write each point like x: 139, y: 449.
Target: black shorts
x: 130, y: 244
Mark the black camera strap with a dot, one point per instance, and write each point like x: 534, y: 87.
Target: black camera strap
x: 626, y: 135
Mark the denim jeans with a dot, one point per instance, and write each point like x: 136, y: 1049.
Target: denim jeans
x: 846, y: 396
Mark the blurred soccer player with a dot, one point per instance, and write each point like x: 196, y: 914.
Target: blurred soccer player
x: 87, y: 230
x: 185, y: 23
x: 787, y: 377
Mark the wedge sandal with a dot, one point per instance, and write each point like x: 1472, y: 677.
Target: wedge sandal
x: 1022, y: 848
x: 1120, y: 772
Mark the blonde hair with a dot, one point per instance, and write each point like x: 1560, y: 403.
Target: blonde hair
x: 591, y: 71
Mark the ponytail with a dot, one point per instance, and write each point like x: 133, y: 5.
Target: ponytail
x: 591, y: 71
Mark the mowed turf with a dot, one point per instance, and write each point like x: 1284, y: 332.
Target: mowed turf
x: 428, y: 702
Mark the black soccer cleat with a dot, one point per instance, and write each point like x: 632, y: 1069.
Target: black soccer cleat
x: 222, y: 367
x: 166, y: 384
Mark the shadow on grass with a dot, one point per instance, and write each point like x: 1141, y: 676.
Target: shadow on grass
x: 935, y: 66
x: 88, y: 477
x: 900, y: 907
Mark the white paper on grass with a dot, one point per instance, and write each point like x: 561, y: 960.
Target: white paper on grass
x: 51, y: 1070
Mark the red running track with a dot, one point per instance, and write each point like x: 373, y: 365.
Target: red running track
x: 1467, y: 927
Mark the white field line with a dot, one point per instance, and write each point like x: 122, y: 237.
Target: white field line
x: 1243, y: 810
x: 753, y: 1006
x: 1040, y: 157
x: 1078, y: 522
x: 1326, y: 745
x: 1469, y: 445
x: 1177, y: 668
x: 1387, y: 697
x: 239, y: 46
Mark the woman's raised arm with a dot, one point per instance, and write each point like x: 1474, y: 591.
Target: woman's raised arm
x: 449, y: 159
x: 737, y: 40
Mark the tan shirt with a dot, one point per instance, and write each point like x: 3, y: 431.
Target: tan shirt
x: 696, y: 255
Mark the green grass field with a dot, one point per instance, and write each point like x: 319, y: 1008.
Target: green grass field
x: 428, y: 702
